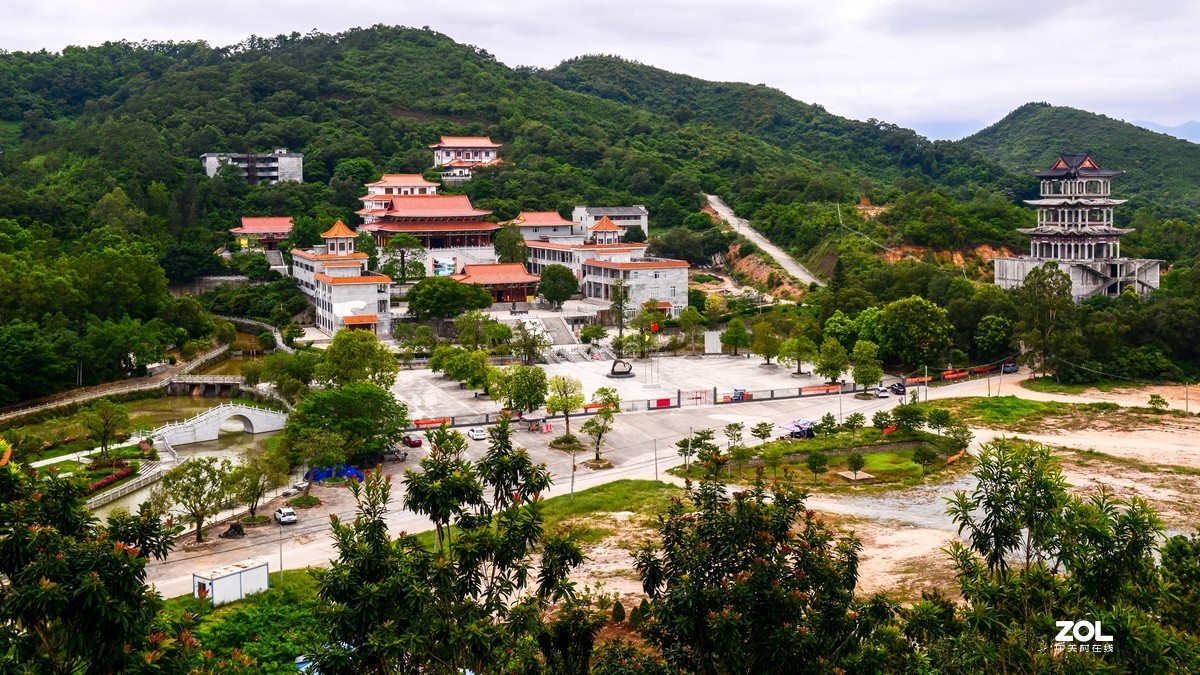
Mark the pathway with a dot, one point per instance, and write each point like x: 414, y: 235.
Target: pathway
x: 788, y: 263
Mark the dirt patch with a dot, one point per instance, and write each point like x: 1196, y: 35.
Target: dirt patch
x: 899, y: 559
x: 762, y: 275
x: 959, y: 258
x: 1167, y: 489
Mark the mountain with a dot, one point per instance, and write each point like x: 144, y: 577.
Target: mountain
x: 1159, y: 170
x: 1188, y: 131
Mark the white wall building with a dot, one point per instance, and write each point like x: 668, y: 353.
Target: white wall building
x: 458, y: 156
x: 272, y: 167
x: 345, y: 293
x: 401, y: 184
x: 660, y: 279
x: 548, y: 226
x: 623, y: 217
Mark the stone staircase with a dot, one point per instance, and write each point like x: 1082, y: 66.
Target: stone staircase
x: 559, y: 332
x: 276, y: 260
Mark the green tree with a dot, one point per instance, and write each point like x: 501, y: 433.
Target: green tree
x: 1046, y: 312
x: 960, y: 435
x: 855, y: 463
x: 690, y: 322
x: 854, y: 422
x: 593, y: 334
x: 368, y: 418
x: 405, y: 253
x: 198, y: 487
x: 558, y: 284
x: 925, y: 456
x: 827, y: 426
x: 529, y: 344
x: 619, y: 309
x: 817, y: 462
x: 735, y: 335
x: 357, y: 356
x: 564, y: 395
x: 1157, y: 403
x: 76, y: 598
x: 881, y: 420
x: 908, y: 417
x: 314, y: 448
x: 444, y: 298
x: 797, y: 349
x: 773, y: 458
x: 763, y: 431
x: 104, y: 420
x: 914, y: 331
x: 993, y: 337
x: 766, y: 341
x: 867, y: 368
x: 938, y: 419
x: 527, y: 388
x: 471, y: 329
x: 259, y: 471
x: 716, y: 549
x: 266, y: 340
x: 645, y: 321
x: 832, y: 360
x: 510, y: 245
x: 733, y: 433
x: 601, y: 422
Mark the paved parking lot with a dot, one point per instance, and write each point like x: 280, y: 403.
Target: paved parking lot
x: 433, y: 395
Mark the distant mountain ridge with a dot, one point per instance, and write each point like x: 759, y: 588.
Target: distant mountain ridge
x: 1188, y: 131
x: 1158, y: 168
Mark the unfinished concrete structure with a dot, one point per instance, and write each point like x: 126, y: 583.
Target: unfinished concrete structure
x: 1075, y: 229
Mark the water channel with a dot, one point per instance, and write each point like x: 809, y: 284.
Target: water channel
x: 229, y: 445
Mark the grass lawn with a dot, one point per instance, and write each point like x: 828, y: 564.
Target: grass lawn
x: 642, y: 497
x: 1010, y: 413
x: 67, y: 465
x: 1047, y: 385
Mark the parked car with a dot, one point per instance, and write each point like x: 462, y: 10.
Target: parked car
x: 411, y: 440
x: 476, y: 434
x: 882, y: 392
x: 395, y: 455
x: 284, y: 515
x: 1009, y: 368
x: 898, y: 389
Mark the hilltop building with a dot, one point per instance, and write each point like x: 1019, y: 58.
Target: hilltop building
x: 401, y: 184
x: 624, y: 217
x: 547, y: 226
x: 273, y: 167
x: 453, y: 232
x: 262, y: 232
x: 459, y: 156
x: 346, y: 294
x: 1075, y: 229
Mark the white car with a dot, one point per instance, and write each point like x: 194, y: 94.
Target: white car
x: 882, y: 392
x: 476, y: 434
x: 285, y: 515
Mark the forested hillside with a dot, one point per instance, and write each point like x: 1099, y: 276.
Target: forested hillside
x: 1160, y: 170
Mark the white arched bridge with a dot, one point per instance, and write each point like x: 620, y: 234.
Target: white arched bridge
x: 207, y: 425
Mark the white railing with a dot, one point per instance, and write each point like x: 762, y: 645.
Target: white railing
x: 118, y: 492
x: 279, y: 344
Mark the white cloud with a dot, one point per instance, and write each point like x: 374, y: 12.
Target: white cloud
x: 928, y: 64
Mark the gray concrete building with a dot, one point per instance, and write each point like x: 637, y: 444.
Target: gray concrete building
x: 270, y: 167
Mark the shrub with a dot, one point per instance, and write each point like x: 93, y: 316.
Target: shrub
x: 110, y: 479
x: 618, y: 612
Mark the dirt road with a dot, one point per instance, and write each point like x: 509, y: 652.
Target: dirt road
x: 788, y: 263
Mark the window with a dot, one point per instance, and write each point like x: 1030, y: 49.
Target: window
x: 672, y: 291
x: 657, y: 274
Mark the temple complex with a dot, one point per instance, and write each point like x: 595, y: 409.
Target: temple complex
x: 344, y: 292
x: 1075, y: 229
x: 453, y: 232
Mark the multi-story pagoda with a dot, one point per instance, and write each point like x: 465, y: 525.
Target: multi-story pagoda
x: 1075, y: 229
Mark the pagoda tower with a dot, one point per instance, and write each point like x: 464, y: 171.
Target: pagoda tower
x: 1075, y: 229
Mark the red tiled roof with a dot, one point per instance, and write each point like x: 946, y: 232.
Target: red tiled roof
x: 499, y: 273
x: 364, y: 279
x: 339, y: 229
x: 633, y: 265
x: 427, y: 206
x: 360, y: 319
x: 603, y: 248
x: 264, y: 225
x: 605, y: 225
x: 530, y: 218
x: 433, y: 226
x: 465, y: 142
x: 401, y: 180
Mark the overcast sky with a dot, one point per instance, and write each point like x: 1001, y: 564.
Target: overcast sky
x: 943, y: 67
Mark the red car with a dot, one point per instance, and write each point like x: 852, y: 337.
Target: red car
x: 411, y: 440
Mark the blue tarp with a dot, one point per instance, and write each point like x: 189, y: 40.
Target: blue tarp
x: 339, y: 471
